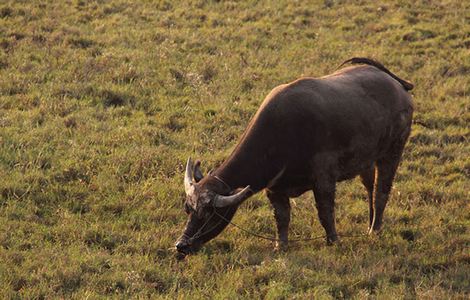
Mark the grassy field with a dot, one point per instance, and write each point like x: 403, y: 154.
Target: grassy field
x: 101, y: 103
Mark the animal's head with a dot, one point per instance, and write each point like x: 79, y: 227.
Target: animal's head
x: 209, y: 203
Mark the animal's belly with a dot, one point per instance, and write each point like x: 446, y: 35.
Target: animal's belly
x: 353, y: 172
x: 292, y: 191
x: 293, y: 185
x: 350, y: 165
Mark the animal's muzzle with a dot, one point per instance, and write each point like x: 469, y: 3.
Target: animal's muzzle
x: 186, y: 245
x: 183, y: 246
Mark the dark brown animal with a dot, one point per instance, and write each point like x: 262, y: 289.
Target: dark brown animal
x: 308, y: 135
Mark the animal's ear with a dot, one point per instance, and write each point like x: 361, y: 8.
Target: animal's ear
x: 197, y: 171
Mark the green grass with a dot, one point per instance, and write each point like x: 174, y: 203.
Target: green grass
x: 101, y: 103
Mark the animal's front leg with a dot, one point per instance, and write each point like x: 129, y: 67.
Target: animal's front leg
x: 325, y: 202
x: 281, y: 205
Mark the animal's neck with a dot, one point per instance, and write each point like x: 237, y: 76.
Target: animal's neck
x: 243, y: 169
x: 256, y: 160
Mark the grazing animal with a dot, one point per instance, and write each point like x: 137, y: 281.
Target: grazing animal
x: 308, y: 135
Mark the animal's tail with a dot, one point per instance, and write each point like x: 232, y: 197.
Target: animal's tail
x: 362, y: 60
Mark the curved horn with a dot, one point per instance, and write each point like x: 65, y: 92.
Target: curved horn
x: 188, y: 178
x: 222, y: 201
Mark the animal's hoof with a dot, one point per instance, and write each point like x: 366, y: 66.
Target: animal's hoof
x: 375, y: 231
x: 330, y: 240
x: 281, y: 246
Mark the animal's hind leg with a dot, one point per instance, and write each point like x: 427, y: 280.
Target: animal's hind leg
x: 385, y: 173
x: 325, y: 202
x: 281, y: 205
x: 368, y: 179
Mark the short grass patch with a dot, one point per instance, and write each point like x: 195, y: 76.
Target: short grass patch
x: 101, y: 103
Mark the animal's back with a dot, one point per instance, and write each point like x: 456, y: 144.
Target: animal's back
x: 356, y: 111
x: 359, y: 98
x: 340, y: 92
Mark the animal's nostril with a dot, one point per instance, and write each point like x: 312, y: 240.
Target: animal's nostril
x: 180, y: 245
